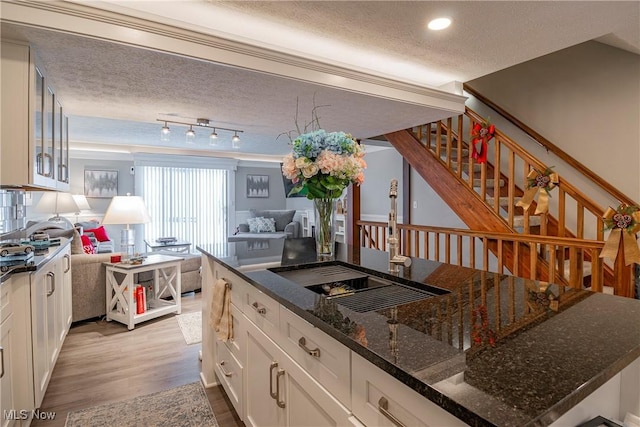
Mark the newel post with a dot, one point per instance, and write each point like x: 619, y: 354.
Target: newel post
x: 623, y: 275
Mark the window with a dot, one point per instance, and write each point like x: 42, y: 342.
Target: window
x: 188, y: 203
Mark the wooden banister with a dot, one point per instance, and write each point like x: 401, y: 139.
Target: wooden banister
x: 546, y: 256
x: 595, y: 178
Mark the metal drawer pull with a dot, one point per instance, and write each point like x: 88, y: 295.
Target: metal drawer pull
x: 68, y: 258
x: 2, y: 364
x: 260, y: 310
x: 53, y: 283
x: 271, y: 368
x: 302, y: 342
x: 383, y: 407
x: 226, y: 374
x: 281, y: 403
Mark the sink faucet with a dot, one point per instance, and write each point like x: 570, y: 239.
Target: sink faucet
x: 395, y: 259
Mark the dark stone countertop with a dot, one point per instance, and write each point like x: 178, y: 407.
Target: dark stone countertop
x: 528, y: 351
x: 20, y: 264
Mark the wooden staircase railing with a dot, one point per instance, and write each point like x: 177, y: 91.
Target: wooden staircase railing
x: 502, y: 180
x: 562, y: 258
x: 571, y: 212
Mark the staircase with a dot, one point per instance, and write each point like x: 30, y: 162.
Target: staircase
x: 485, y: 197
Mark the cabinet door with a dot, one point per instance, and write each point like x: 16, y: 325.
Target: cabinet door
x: 62, y: 297
x: 7, y: 380
x: 49, y: 131
x: 61, y: 143
x: 41, y: 306
x: 307, y: 403
x: 66, y: 284
x: 262, y: 376
x: 38, y: 124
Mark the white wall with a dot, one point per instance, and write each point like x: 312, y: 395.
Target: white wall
x: 584, y: 99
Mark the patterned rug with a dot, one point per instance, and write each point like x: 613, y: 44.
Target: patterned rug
x: 181, y: 406
x: 191, y: 326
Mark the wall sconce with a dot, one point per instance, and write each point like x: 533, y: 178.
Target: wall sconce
x: 190, y: 135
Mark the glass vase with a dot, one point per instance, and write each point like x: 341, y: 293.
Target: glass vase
x: 325, y: 238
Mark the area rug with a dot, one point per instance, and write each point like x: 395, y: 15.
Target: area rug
x: 181, y: 406
x: 191, y: 326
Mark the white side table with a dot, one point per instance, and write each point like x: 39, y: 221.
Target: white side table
x: 120, y: 302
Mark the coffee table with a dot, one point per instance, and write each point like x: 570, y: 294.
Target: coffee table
x: 180, y: 246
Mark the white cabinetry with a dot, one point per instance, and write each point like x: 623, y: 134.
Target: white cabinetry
x: 16, y: 379
x: 281, y: 393
x: 8, y: 378
x: 34, y: 133
x: 266, y: 386
x: 49, y: 319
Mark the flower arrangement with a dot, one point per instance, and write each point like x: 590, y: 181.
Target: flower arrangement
x: 322, y: 164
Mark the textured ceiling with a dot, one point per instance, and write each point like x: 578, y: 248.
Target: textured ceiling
x: 114, y: 93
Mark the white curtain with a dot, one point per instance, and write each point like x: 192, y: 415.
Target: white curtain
x: 188, y: 203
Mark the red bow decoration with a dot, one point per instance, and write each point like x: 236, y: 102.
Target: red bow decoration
x: 480, y: 135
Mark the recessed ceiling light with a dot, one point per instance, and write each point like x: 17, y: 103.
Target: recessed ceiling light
x: 439, y: 24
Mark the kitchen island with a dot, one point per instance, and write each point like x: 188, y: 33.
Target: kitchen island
x: 488, y: 349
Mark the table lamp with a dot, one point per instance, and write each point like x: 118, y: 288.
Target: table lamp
x: 127, y: 210
x: 83, y: 204
x: 57, y: 203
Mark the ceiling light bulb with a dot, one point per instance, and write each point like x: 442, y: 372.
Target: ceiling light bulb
x: 190, y: 136
x: 165, y: 133
x: 439, y: 24
x: 235, y: 141
x: 213, y: 138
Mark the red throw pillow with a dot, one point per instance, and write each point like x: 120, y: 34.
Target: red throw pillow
x: 87, y: 246
x: 100, y: 233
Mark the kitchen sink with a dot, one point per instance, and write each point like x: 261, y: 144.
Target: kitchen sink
x: 358, y: 290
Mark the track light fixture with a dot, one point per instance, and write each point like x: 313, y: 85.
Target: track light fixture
x: 190, y: 135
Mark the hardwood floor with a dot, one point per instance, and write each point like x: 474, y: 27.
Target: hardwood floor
x: 102, y: 362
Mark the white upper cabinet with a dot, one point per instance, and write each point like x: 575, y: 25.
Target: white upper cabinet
x: 34, y: 148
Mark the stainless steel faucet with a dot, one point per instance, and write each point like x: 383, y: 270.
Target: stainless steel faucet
x: 395, y: 259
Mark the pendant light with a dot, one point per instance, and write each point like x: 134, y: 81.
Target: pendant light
x: 165, y: 133
x: 190, y: 136
x: 213, y: 138
x: 235, y: 140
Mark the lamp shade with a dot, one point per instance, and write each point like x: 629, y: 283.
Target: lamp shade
x: 81, y: 201
x: 57, y: 203
x: 126, y: 210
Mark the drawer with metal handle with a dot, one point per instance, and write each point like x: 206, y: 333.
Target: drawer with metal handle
x: 324, y: 358
x: 381, y: 400
x: 230, y: 373
x: 263, y: 311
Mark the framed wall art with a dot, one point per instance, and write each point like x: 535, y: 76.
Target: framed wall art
x: 257, y: 186
x: 100, y: 183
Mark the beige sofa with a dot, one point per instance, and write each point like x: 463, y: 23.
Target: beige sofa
x: 88, y: 282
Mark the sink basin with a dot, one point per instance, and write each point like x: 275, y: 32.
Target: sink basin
x: 361, y: 291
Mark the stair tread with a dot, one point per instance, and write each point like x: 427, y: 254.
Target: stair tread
x: 490, y: 182
x: 477, y: 167
x: 534, y: 221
